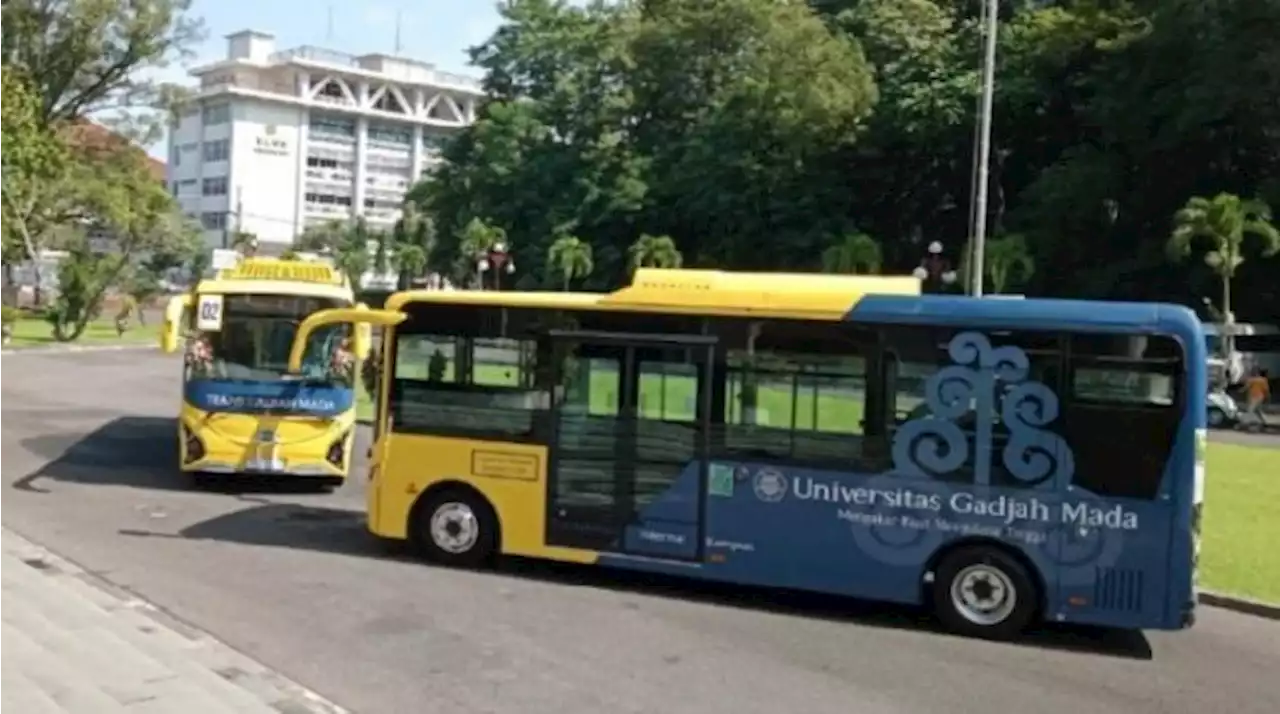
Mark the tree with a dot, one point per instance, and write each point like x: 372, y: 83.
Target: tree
x: 137, y: 215
x: 476, y: 240
x: 91, y: 56
x: 412, y: 242
x: 689, y: 118
x: 351, y: 255
x: 570, y: 258
x: 244, y: 243
x: 852, y: 253
x: 36, y: 174
x: 654, y: 252
x: 346, y: 243
x: 382, y: 252
x: 1222, y: 225
x: 1008, y: 261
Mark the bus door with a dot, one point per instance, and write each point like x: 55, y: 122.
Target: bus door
x: 628, y: 455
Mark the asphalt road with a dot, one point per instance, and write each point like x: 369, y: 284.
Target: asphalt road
x: 292, y: 580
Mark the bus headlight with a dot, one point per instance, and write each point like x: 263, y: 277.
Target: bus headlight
x: 337, y: 452
x: 193, y: 448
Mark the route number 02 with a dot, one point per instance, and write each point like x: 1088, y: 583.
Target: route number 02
x: 209, y: 313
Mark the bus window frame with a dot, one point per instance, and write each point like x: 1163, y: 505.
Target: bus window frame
x: 1173, y: 414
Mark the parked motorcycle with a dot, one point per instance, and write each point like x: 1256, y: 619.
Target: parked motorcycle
x: 1224, y: 412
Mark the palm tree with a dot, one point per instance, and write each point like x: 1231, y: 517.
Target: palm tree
x: 853, y: 253
x: 412, y: 242
x: 1221, y: 224
x: 244, y: 243
x: 654, y: 252
x: 1008, y: 260
x: 475, y: 241
x: 346, y: 243
x: 382, y: 252
x: 571, y: 258
x: 351, y: 255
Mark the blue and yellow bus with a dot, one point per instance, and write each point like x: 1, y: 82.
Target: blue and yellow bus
x: 242, y: 411
x: 997, y: 460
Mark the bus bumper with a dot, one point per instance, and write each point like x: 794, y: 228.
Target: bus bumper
x: 327, y: 461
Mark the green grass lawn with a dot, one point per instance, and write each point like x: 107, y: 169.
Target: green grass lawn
x: 1240, y: 554
x: 33, y: 332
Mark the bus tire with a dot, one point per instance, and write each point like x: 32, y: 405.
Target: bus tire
x: 982, y: 591
x: 454, y: 527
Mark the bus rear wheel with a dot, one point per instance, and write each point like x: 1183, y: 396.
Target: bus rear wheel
x: 984, y: 592
x: 456, y: 528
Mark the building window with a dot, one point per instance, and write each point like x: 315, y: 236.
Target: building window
x: 216, y: 114
x: 213, y: 220
x: 387, y: 204
x: 216, y: 186
x: 390, y: 134
x: 219, y: 150
x: 328, y: 199
x: 327, y: 126
x: 434, y: 143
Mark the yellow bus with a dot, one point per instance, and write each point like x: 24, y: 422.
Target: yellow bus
x: 242, y: 411
x: 1001, y: 460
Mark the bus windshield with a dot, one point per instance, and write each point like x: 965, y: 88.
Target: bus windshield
x: 256, y: 335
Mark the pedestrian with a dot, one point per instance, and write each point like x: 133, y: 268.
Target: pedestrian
x: 1257, y: 394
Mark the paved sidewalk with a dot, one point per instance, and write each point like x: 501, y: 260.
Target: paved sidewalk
x: 75, y: 646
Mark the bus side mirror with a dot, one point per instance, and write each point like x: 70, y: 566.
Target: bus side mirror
x: 174, y: 312
x: 362, y: 336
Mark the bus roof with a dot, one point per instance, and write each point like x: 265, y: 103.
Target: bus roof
x: 711, y: 292
x: 273, y: 276
x: 874, y: 299
x: 1038, y: 313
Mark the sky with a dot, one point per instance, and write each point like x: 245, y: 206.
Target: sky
x: 434, y: 31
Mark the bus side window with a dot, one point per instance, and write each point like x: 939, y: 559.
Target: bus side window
x: 913, y: 356
x: 1123, y: 412
x: 795, y: 391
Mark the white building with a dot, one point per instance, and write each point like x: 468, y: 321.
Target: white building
x: 278, y: 141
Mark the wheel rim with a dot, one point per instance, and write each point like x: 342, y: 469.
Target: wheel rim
x: 454, y: 528
x: 983, y: 595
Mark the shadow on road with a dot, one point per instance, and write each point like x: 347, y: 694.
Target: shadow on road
x: 343, y: 532
x: 133, y: 451
x: 141, y: 452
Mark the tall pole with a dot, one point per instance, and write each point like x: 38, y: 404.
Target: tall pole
x: 977, y: 265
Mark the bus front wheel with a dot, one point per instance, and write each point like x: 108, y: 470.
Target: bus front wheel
x: 454, y: 527
x: 984, y: 592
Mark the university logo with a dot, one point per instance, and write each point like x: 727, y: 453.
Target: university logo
x: 770, y: 485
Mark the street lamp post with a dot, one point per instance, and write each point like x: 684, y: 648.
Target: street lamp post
x: 977, y: 258
x: 498, y: 259
x: 934, y: 269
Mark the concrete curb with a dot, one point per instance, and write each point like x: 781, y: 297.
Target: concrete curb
x: 73, y: 349
x: 1243, y: 605
x: 254, y: 677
